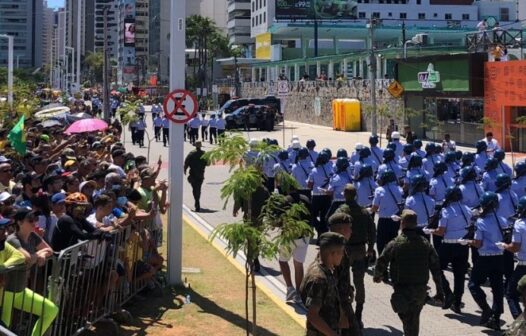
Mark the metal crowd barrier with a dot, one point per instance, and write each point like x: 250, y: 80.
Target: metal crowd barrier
x: 78, y: 286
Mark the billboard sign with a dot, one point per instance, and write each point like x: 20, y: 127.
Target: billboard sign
x: 316, y: 9
x: 263, y: 46
x: 129, y: 33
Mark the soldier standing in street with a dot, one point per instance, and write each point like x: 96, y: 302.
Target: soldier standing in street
x: 197, y: 165
x: 410, y: 257
x: 364, y: 233
x: 319, y: 288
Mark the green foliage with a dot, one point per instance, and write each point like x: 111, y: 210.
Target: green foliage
x: 95, y: 63
x: 286, y: 182
x: 128, y: 112
x: 230, y: 151
x: 241, y: 185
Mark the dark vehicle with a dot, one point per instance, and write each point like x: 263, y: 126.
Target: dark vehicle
x: 261, y: 117
x: 233, y: 104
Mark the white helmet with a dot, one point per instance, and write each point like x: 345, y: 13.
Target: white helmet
x: 395, y: 135
x: 295, y: 138
x: 359, y: 146
x: 253, y: 143
x: 296, y: 144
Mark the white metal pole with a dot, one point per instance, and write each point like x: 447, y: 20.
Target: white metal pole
x: 176, y: 155
x: 79, y: 49
x: 10, y: 47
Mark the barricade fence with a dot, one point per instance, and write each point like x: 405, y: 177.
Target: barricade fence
x: 80, y: 285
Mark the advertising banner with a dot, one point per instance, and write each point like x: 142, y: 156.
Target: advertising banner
x: 263, y: 43
x: 316, y: 9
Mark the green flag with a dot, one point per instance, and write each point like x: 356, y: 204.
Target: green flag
x: 17, y: 137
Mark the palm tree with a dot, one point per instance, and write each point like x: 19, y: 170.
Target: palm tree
x: 95, y: 63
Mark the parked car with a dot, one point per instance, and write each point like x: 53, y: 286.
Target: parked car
x: 261, y: 117
x: 233, y: 104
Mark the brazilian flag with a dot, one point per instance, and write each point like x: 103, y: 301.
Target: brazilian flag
x: 17, y: 137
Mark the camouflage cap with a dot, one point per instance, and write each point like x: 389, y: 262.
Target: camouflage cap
x: 521, y: 285
x: 329, y: 239
x: 409, y: 218
x: 340, y: 218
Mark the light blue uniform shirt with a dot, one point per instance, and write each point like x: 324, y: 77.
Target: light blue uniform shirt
x: 488, y: 231
x: 452, y: 169
x: 455, y: 218
x: 158, y: 122
x: 519, y: 236
x: 220, y: 124
x: 282, y: 165
x: 195, y: 122
x: 313, y: 155
x: 481, y: 159
x: 166, y: 123
x: 337, y: 185
x: 395, y: 167
x: 301, y: 172
x: 364, y: 191
x: 403, y: 162
x: 268, y: 163
x: 503, y: 167
x: 329, y: 167
x: 429, y: 163
x: 320, y: 180
x: 471, y: 192
x: 387, y: 198
x: 438, y: 186
x: 292, y: 154
x: 488, y: 180
x: 377, y: 154
x: 399, y: 148
x: 507, y: 202
x: 360, y: 163
x: 213, y: 123
x: 519, y: 186
x: 420, y: 153
x: 354, y: 157
x: 416, y: 171
x: 419, y: 202
x: 251, y: 157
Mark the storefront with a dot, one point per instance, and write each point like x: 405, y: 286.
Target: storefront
x: 444, y: 94
x: 505, y: 108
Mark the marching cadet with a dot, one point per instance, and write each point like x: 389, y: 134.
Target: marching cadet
x: 204, y: 127
x: 518, y: 185
x: 490, y: 175
x: 213, y: 129
x: 387, y: 202
x: 364, y: 233
x: 364, y: 158
x: 410, y: 258
x: 377, y: 153
x: 440, y: 182
x: 503, y: 167
x: 395, y: 138
x: 431, y: 158
x: 482, y: 156
x: 337, y: 184
x: 282, y: 166
x: 295, y: 146
x: 419, y: 202
x: 455, y: 218
x: 313, y: 155
x: 468, y: 160
x: 403, y: 160
x: 268, y: 160
x: 342, y: 223
x: 365, y: 186
x: 417, y: 143
x: 471, y: 190
x: 355, y: 155
x: 490, y: 262
x: 414, y: 167
x: 301, y: 171
x: 166, y: 130
x: 251, y: 155
x: 390, y: 164
x: 329, y: 166
x: 517, y: 246
x: 452, y: 166
x: 342, y: 153
x: 319, y: 288
x: 318, y: 182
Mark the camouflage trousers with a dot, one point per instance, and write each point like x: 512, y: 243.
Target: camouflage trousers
x: 407, y: 302
x: 358, y: 261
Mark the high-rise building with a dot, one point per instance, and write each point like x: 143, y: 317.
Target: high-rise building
x: 23, y: 20
x: 238, y: 25
x: 154, y: 32
x: 142, y: 36
x: 48, y: 22
x: 112, y: 17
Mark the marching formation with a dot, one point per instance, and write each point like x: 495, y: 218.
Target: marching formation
x: 455, y: 210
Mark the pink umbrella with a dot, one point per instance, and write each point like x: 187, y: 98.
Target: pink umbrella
x: 86, y: 125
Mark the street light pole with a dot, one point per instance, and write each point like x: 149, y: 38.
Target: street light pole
x: 10, y: 47
x: 106, y: 89
x: 372, y: 76
x: 79, y: 49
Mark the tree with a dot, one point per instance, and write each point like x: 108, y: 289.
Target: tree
x: 280, y: 223
x: 95, y: 63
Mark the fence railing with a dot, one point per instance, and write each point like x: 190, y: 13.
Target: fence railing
x: 484, y: 40
x: 80, y: 285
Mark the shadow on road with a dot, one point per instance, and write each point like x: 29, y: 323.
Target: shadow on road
x: 203, y: 210
x: 382, y: 332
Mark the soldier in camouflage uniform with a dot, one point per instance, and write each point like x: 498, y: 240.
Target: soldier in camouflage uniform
x: 319, y: 288
x: 364, y: 232
x: 410, y: 257
x: 518, y: 327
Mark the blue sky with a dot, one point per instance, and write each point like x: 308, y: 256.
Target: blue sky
x: 55, y: 3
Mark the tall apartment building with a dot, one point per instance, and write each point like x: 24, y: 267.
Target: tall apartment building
x: 142, y: 35
x: 76, y: 22
x: 23, y: 20
x: 113, y: 18
x: 238, y: 25
x: 48, y: 22
x: 154, y: 30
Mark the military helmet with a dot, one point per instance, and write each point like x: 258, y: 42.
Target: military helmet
x: 430, y: 148
x: 386, y: 177
x: 453, y: 194
x: 283, y: 155
x: 502, y: 181
x: 408, y: 149
x: 342, y: 152
x: 392, y: 146
x: 373, y: 140
x: 366, y: 171
x: 273, y: 142
x: 389, y: 155
x: 418, y: 183
x: 323, y: 158
x: 365, y: 153
x: 467, y: 174
x: 468, y: 159
x: 342, y: 163
x: 499, y: 154
x: 491, y: 164
x: 458, y: 155
x: 328, y: 151
x: 417, y: 143
x: 415, y: 160
x: 520, y: 168
x: 521, y: 207
x: 439, y: 168
x: 481, y: 146
x: 450, y: 157
x: 303, y: 153
x: 310, y: 144
x: 489, y: 201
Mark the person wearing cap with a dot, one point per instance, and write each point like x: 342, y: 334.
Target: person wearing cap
x: 197, y: 164
x: 140, y: 129
x: 58, y: 207
x: 293, y: 149
x: 118, y: 162
x: 166, y: 130
x: 410, y: 258
x: 6, y: 175
x: 518, y: 327
x: 319, y: 288
x: 377, y: 153
x: 6, y: 201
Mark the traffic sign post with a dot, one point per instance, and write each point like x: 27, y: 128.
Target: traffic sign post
x: 283, y: 92
x: 180, y: 106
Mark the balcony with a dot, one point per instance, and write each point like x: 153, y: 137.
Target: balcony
x: 484, y: 41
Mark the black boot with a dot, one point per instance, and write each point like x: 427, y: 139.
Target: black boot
x: 494, y: 323
x: 358, y: 313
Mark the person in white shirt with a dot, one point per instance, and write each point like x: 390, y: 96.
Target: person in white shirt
x: 204, y: 127
x: 493, y: 144
x: 220, y: 125
x: 448, y: 145
x: 157, y: 126
x: 156, y: 111
x: 213, y: 129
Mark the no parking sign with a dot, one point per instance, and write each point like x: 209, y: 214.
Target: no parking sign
x: 180, y: 106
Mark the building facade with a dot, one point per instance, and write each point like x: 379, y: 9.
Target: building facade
x: 239, y: 16
x: 112, y: 33
x: 48, y: 22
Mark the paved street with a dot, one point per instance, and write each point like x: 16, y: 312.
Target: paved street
x: 379, y: 318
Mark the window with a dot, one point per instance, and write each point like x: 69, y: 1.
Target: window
x: 253, y: 22
x: 390, y: 14
x: 448, y: 17
x: 375, y: 15
x: 418, y: 2
x: 264, y: 3
x: 264, y: 17
x: 403, y: 15
x: 465, y: 16
x: 361, y: 15
x: 253, y: 6
x: 421, y: 16
x: 435, y: 15
x: 257, y: 21
x: 504, y: 14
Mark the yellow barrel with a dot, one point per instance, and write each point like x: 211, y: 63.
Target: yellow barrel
x: 352, y: 115
x: 337, y: 123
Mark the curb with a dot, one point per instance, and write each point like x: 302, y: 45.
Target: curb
x: 262, y: 282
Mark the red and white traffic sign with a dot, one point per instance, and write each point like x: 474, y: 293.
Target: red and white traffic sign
x: 180, y: 106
